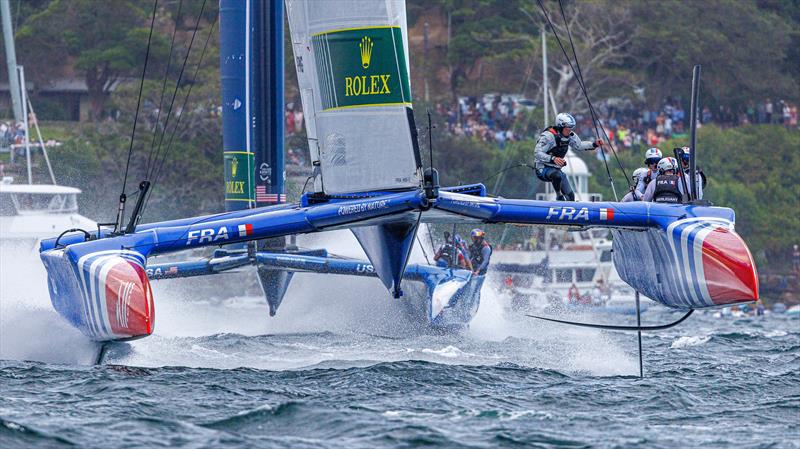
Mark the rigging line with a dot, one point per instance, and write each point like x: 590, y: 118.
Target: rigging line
x: 157, y: 170
x: 164, y: 86
x: 422, y: 247
x: 177, y: 86
x: 598, y: 122
x: 139, y: 101
x: 582, y: 86
x: 499, y: 172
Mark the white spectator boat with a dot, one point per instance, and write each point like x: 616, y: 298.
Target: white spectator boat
x: 30, y: 212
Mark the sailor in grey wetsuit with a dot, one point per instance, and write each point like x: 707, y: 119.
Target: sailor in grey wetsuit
x: 551, y: 149
x: 700, y: 177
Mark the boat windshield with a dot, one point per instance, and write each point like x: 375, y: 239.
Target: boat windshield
x: 38, y: 203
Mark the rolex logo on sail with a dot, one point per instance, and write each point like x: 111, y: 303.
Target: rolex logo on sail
x: 234, y: 167
x: 366, y: 84
x: 363, y: 66
x: 366, y: 51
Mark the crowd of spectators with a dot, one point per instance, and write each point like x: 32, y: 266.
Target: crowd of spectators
x: 492, y: 118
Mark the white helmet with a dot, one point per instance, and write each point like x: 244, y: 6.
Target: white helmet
x: 652, y: 156
x: 639, y: 174
x: 666, y: 164
x: 564, y: 120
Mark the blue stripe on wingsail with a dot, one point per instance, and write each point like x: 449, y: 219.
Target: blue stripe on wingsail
x: 97, y: 297
x: 672, y: 266
x: 692, y: 265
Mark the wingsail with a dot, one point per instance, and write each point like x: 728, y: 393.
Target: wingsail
x: 352, y: 66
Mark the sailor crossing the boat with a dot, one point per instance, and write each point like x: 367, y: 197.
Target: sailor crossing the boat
x: 635, y: 194
x: 480, y: 252
x: 667, y: 187
x: 551, y: 150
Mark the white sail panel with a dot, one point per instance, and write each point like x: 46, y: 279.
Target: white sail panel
x: 352, y: 66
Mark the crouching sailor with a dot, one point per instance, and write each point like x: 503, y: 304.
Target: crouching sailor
x: 551, y: 149
x: 635, y: 194
x: 667, y: 186
x: 480, y: 252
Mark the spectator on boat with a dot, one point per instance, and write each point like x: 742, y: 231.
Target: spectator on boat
x: 635, y: 194
x: 700, y: 177
x: 796, y: 259
x: 551, y: 149
x: 480, y: 252
x: 651, y: 158
x: 667, y: 187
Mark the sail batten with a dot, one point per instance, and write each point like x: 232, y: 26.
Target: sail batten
x: 352, y: 66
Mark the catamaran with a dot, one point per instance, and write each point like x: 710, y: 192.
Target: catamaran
x: 352, y: 64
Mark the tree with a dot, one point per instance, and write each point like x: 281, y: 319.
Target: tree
x: 107, y: 41
x: 741, y: 46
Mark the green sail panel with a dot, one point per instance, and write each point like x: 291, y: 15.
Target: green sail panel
x: 239, y: 171
x: 360, y: 67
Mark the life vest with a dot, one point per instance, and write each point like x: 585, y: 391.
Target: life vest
x: 476, y: 255
x: 667, y: 190
x: 562, y: 144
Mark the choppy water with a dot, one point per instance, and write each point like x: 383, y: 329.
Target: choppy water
x: 343, y: 369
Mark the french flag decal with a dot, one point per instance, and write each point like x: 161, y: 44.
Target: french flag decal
x: 245, y: 230
x: 606, y: 214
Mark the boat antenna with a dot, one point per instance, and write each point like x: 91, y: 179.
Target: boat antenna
x: 430, y: 177
x: 122, y: 196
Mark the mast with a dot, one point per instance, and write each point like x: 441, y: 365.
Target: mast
x: 545, y: 84
x: 26, y: 139
x: 251, y: 66
x: 11, y: 61
x: 267, y: 101
x: 693, y: 133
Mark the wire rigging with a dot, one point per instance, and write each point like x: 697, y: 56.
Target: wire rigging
x: 160, y: 164
x: 139, y: 100
x: 597, y: 124
x: 596, y: 117
x: 164, y: 86
x: 177, y: 86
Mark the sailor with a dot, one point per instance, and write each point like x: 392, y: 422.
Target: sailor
x: 551, y: 149
x: 700, y: 177
x: 448, y: 256
x: 480, y: 252
x: 667, y: 187
x: 651, y: 158
x: 634, y: 194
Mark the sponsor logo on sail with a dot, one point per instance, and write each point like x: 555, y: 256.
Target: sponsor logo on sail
x: 366, y: 51
x: 362, y: 67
